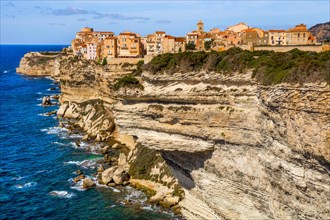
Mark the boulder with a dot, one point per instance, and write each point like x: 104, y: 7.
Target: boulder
x: 108, y: 174
x: 157, y: 198
x: 46, y: 101
x: 100, y: 168
x: 88, y: 183
x: 85, y: 137
x: 78, y: 178
x: 112, y: 184
x: 125, y: 183
x: 170, y: 201
x: 120, y: 176
x: 115, y: 146
x: 51, y: 113
x: 79, y: 172
x: 105, y: 149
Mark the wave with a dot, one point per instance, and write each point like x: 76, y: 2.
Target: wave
x: 54, y: 130
x: 25, y: 185
x: 62, y: 194
x: 58, y: 143
x: 73, y: 162
x: 84, y: 163
x: 19, y: 177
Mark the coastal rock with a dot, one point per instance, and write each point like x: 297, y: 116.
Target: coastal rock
x: 100, y: 168
x: 37, y: 64
x: 79, y: 172
x: 46, y: 101
x: 170, y: 201
x: 51, y: 113
x: 120, y: 176
x: 115, y: 146
x: 108, y: 174
x: 105, y: 149
x: 158, y: 197
x: 88, y: 183
x: 78, y: 178
x: 122, y: 161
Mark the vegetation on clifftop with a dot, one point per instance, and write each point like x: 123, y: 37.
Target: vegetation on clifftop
x: 268, y: 67
x: 128, y: 81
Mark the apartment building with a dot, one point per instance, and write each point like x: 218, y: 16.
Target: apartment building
x: 129, y: 45
x: 109, y: 48
x: 277, y: 37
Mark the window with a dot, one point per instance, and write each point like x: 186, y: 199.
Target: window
x: 298, y: 36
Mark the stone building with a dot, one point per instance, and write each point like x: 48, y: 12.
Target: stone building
x: 299, y: 35
x: 238, y: 28
x: 254, y: 36
x: 109, y: 48
x: 129, y: 45
x: 277, y: 37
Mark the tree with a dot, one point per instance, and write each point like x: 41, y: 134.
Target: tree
x: 207, y: 45
x: 104, y: 62
x: 190, y: 46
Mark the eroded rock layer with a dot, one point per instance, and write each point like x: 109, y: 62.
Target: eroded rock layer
x: 239, y: 150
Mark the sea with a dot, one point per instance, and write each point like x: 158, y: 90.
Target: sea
x: 38, y: 159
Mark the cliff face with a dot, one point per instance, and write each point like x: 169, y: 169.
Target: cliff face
x: 239, y: 150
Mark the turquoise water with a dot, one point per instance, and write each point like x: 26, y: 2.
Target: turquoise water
x: 38, y: 159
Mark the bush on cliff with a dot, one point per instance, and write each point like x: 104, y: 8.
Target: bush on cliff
x: 138, y: 70
x: 268, y: 67
x: 128, y: 81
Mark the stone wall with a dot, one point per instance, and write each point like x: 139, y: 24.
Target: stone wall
x: 314, y: 48
x: 116, y: 61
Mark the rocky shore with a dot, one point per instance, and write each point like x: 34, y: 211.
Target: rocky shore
x: 211, y: 146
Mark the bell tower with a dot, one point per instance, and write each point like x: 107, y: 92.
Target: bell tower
x: 200, y: 26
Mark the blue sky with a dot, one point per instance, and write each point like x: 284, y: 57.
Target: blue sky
x: 55, y: 22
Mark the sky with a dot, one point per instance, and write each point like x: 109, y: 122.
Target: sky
x: 56, y: 22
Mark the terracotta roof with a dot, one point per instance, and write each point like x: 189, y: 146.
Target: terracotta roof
x: 180, y: 39
x: 170, y: 37
x: 278, y: 31
x: 160, y: 32
x: 112, y: 38
x: 128, y: 33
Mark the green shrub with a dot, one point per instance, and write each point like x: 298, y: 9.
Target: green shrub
x: 190, y: 46
x: 128, y: 81
x: 104, y: 62
x: 138, y: 70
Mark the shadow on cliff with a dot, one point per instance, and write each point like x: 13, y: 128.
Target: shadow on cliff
x: 184, y: 163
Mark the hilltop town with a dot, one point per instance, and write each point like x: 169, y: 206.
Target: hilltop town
x: 98, y: 45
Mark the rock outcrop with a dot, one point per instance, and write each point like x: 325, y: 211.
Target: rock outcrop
x: 238, y: 149
x: 321, y: 31
x: 38, y: 64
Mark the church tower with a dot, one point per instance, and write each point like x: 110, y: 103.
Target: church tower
x: 200, y: 26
